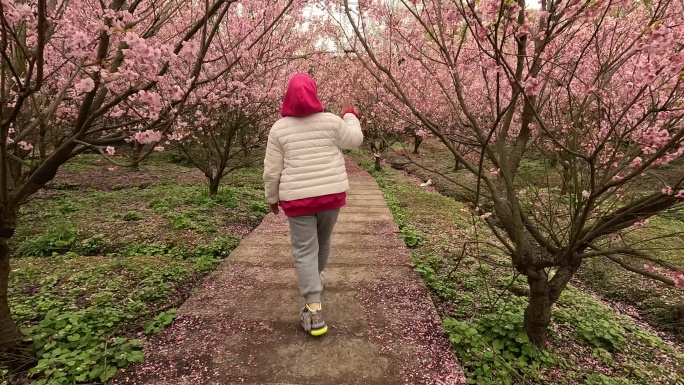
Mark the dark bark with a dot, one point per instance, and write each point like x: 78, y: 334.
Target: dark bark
x: 553, y: 161
x: 376, y: 151
x: 136, y: 158
x: 538, y: 311
x: 565, y: 179
x: 42, y: 146
x: 457, y: 164
x: 560, y: 281
x: 214, y: 184
x: 417, y: 140
x: 10, y: 337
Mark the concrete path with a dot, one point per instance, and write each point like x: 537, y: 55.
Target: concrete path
x: 242, y: 325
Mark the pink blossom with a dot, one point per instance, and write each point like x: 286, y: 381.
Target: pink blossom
x: 680, y: 194
x: 110, y: 150
x: 423, y: 133
x: 640, y: 224
x: 494, y: 171
x: 532, y: 86
x: 147, y: 137
x: 522, y: 31
x: 189, y: 50
x: 153, y: 102
x: 485, y: 215
x: 585, y: 194
x: 159, y: 148
x: 667, y: 190
x: 678, y: 278
x: 177, y: 93
x: 25, y: 146
x: 14, y: 12
x: 84, y: 85
x: 651, y: 268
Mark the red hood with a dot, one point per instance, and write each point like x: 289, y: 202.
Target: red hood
x: 301, y: 98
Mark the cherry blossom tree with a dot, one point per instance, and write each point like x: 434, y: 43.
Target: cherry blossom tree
x: 88, y: 76
x: 340, y: 77
x: 596, y: 86
x: 224, y: 140
x: 232, y: 115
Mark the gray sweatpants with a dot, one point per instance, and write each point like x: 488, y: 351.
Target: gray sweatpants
x: 311, y: 238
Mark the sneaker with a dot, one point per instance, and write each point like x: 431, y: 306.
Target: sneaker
x: 313, y: 322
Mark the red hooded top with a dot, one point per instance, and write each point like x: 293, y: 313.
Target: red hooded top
x: 301, y: 99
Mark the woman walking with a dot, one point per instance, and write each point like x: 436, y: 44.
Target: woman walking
x: 304, y: 174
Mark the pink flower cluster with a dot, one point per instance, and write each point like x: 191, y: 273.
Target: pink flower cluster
x: 13, y: 12
x: 667, y: 190
x: 423, y: 133
x: 153, y: 102
x: 658, y: 40
x: 653, y: 139
x: 532, y: 86
x: 84, y: 85
x: 79, y: 44
x: 641, y: 224
x: 25, y: 146
x: 146, y: 137
x: 139, y: 50
x: 676, y: 276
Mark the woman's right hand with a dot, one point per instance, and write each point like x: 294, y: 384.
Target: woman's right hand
x: 346, y: 106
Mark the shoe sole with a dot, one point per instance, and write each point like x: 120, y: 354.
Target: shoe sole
x: 319, y: 332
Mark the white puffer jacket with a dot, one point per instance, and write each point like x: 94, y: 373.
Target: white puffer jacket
x: 303, y: 157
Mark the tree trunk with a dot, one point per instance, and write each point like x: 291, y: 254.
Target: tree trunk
x: 42, y: 145
x: 538, y: 312
x: 214, y: 184
x: 565, y: 178
x: 10, y: 337
x: 457, y: 164
x: 376, y: 151
x: 378, y: 163
x: 417, y: 140
x: 137, y: 149
x: 553, y: 161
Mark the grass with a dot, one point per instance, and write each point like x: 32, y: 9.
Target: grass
x: 103, y: 257
x: 660, y: 306
x: 482, y: 304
